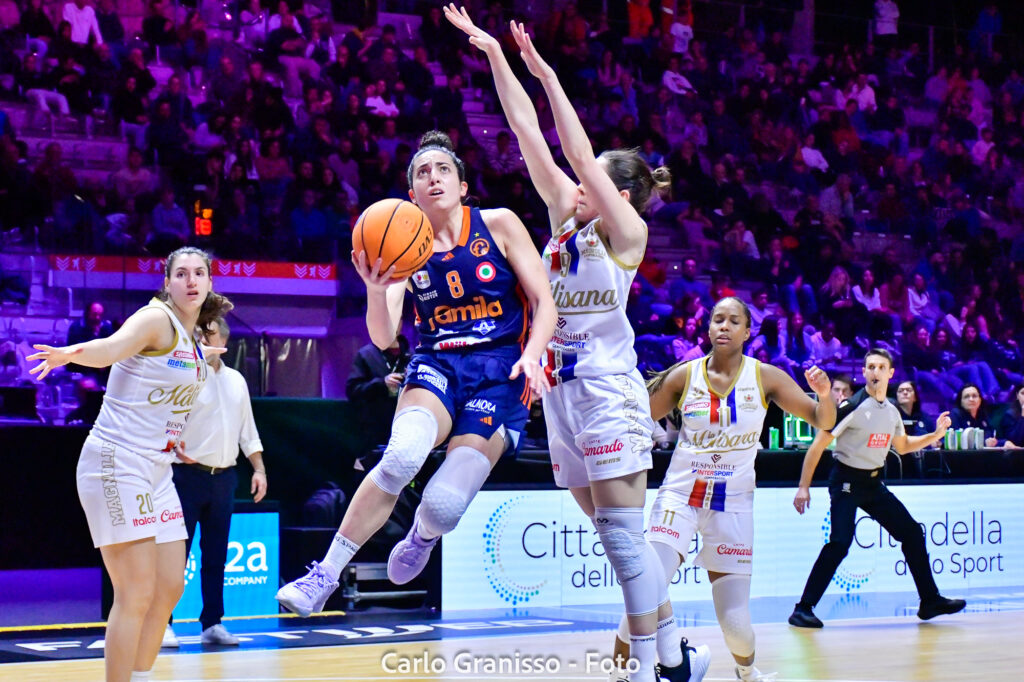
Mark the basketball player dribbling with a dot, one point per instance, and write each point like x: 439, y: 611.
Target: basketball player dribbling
x: 471, y: 377
x: 709, y: 485
x: 124, y: 471
x: 597, y: 413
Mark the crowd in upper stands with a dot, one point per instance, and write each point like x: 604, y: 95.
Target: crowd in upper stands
x: 282, y: 128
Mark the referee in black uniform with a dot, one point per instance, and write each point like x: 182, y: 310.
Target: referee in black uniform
x: 867, y: 425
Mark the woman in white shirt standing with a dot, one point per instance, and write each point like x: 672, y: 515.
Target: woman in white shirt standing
x: 124, y: 472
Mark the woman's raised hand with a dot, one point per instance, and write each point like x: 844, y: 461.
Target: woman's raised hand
x: 51, y: 358
x: 371, y: 275
x: 534, y: 62
x: 478, y: 37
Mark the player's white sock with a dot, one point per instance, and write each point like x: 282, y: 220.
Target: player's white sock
x: 339, y: 555
x: 749, y: 673
x: 644, y: 648
x: 139, y: 676
x: 669, y: 651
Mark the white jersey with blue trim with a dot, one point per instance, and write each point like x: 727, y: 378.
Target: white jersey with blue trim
x: 149, y: 395
x: 713, y: 463
x: 590, y: 286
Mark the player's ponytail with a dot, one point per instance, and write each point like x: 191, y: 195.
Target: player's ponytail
x: 656, y: 380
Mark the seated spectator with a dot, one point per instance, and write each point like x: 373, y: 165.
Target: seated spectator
x: 687, y: 346
x: 40, y: 89
x: 136, y: 68
x: 157, y: 28
x: 812, y: 156
x: 837, y: 200
x: 171, y: 228
x: 132, y: 180
x: 870, y: 296
x: 1011, y: 426
x: 254, y: 23
x: 696, y: 230
x: 915, y: 421
x: 798, y: 338
x: 92, y: 326
x: 971, y: 411
x: 895, y: 298
x: 110, y: 25
x: 772, y: 340
x: 37, y: 27
x: 129, y: 108
x: 927, y: 364
x: 826, y: 349
x: 970, y: 363
x: 287, y: 45
x: 760, y: 309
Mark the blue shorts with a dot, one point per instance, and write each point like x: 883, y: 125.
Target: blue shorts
x: 475, y: 389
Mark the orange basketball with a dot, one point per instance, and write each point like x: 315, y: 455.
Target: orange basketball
x: 397, y: 232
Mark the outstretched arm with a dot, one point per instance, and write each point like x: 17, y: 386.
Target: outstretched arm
x: 621, y: 223
x: 904, y: 443
x: 555, y: 187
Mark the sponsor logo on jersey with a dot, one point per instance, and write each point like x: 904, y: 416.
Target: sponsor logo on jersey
x: 713, y: 439
x: 427, y: 296
x: 143, y: 521
x: 487, y: 420
x: 485, y: 272
x: 182, y: 395
x: 431, y: 376
x: 567, y: 340
x: 481, y: 405
x: 108, y: 477
x: 878, y: 440
x: 665, y: 530
x: 561, y: 322
x: 421, y: 279
x: 188, y: 355
x: 447, y: 257
x: 734, y: 550
x: 697, y: 409
x: 581, y: 300
x: 452, y: 344
x: 167, y: 515
x: 598, y: 448
x: 749, y: 403
x: 715, y: 457
x: 479, y: 247
x: 610, y: 460
x: 485, y: 327
x: 180, y: 364
x: 444, y: 332
x: 479, y: 309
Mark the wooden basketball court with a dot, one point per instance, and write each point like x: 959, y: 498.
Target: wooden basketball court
x: 968, y: 646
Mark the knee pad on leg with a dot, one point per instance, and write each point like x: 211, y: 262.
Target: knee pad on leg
x: 451, y: 489
x: 635, y: 564
x: 731, y: 594
x: 413, y: 434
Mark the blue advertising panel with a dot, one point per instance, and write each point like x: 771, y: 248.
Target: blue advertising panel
x: 250, y: 573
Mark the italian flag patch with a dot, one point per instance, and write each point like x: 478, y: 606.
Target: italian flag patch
x: 485, y: 272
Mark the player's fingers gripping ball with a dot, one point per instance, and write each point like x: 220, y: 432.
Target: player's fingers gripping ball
x: 397, y: 232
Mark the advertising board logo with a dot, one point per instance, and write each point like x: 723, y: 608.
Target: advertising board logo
x: 504, y: 585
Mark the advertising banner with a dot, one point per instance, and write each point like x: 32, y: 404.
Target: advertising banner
x: 536, y: 548
x: 250, y: 573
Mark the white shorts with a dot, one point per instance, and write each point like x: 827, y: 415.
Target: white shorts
x: 726, y: 538
x: 127, y: 496
x: 598, y: 428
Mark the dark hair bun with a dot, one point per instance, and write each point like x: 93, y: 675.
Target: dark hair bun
x: 435, y: 138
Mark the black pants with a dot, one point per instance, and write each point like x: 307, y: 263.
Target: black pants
x: 209, y: 500
x: 852, y: 488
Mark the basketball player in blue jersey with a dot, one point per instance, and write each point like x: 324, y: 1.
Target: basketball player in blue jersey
x: 598, y: 416
x: 471, y: 377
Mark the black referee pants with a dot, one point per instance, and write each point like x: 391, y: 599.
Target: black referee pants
x: 849, y: 489
x: 209, y: 501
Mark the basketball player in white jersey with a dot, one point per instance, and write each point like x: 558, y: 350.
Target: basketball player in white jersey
x: 124, y: 471
x: 598, y: 418
x: 709, y: 485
